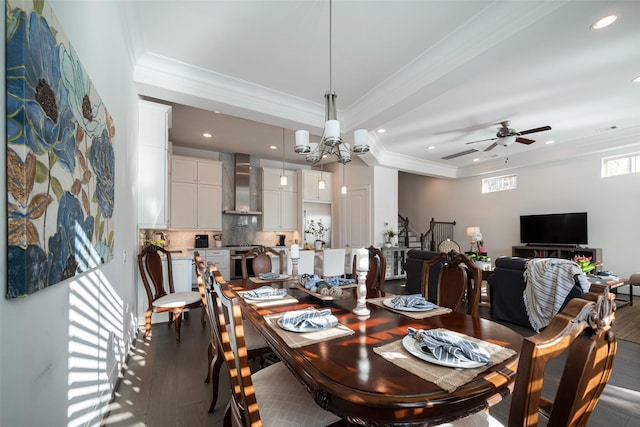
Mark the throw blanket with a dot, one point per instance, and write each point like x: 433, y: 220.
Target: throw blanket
x: 548, y: 282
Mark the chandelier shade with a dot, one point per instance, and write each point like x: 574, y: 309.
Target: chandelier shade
x: 331, y: 142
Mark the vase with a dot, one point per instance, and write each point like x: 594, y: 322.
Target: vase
x: 387, y: 244
x: 318, y: 244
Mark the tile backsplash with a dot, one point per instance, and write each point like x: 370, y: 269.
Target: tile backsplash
x: 179, y: 239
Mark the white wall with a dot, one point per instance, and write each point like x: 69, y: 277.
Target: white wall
x: 612, y: 205
x: 61, y: 347
x: 385, y: 211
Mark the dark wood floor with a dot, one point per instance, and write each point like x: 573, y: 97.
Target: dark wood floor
x: 163, y: 384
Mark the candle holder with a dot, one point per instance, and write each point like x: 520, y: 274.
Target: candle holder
x: 294, y: 268
x: 361, y: 309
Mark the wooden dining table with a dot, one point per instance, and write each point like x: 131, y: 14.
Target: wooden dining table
x: 346, y: 376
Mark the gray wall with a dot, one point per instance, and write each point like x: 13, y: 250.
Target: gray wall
x: 612, y: 205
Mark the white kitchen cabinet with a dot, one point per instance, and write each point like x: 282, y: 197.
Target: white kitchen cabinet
x: 311, y: 190
x: 200, y: 171
x: 196, y: 193
x: 218, y: 257
x: 279, y: 203
x: 153, y: 184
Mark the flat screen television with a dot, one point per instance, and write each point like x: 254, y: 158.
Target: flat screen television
x: 554, y: 229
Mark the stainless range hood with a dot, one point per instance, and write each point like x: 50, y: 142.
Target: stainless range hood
x: 242, y: 186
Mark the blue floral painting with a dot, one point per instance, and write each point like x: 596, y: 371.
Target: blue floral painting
x: 60, y: 156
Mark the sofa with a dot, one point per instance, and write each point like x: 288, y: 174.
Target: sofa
x: 413, y: 269
x: 506, y: 286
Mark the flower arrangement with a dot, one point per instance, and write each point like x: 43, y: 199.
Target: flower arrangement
x: 155, y: 242
x: 586, y: 264
x: 316, y: 228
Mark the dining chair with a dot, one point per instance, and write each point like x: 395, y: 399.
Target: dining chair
x: 151, y: 272
x: 306, y: 262
x: 459, y: 276
x: 270, y: 397
x: 582, y: 331
x: 257, y: 347
x: 376, y: 273
x: 333, y: 261
x: 260, y: 258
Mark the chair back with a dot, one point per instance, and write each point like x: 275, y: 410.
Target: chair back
x: 201, y: 277
x: 150, y: 266
x: 306, y: 262
x: 333, y: 262
x: 376, y: 273
x: 260, y: 258
x: 226, y: 320
x: 583, y: 328
x: 458, y: 277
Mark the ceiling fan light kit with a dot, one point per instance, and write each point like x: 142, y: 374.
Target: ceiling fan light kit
x: 331, y: 142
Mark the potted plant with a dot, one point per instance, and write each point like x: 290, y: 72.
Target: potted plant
x: 317, y: 229
x: 390, y: 234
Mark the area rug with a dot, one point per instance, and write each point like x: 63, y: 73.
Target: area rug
x: 627, y: 323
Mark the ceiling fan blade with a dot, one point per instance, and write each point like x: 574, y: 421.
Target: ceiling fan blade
x: 462, y: 153
x: 542, y: 129
x: 482, y: 140
x: 491, y: 147
x: 524, y: 140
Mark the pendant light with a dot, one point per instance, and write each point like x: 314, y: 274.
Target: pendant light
x: 321, y: 181
x: 331, y: 142
x: 343, y: 189
x: 283, y: 177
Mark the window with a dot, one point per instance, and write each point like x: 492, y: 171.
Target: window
x: 499, y: 183
x: 620, y: 165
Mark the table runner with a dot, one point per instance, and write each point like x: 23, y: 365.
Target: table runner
x: 287, y: 299
x: 297, y: 339
x: 413, y: 314
x: 446, y: 378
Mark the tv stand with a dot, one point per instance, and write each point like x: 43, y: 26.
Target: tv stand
x: 555, y: 251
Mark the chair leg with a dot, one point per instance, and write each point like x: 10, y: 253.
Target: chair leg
x: 214, y: 372
x: 202, y: 316
x: 147, y: 323
x: 227, y: 416
x: 210, y: 355
x: 177, y: 319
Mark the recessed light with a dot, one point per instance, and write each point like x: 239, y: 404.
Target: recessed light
x: 382, y: 130
x: 476, y: 160
x: 551, y: 141
x: 206, y: 135
x: 604, y: 22
x: 272, y: 147
x: 636, y: 80
x: 431, y: 147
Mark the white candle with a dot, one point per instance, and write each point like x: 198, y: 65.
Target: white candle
x: 362, y: 260
x: 295, y: 251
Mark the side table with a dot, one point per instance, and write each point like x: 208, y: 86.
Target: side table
x: 614, y: 284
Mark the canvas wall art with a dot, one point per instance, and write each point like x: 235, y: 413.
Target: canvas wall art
x: 60, y: 156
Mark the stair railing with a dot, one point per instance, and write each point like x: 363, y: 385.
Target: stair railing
x: 438, y: 231
x: 403, y: 229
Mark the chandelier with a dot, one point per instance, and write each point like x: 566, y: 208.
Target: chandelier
x: 331, y: 142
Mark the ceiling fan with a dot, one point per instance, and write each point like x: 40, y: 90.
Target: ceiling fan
x: 505, y: 137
